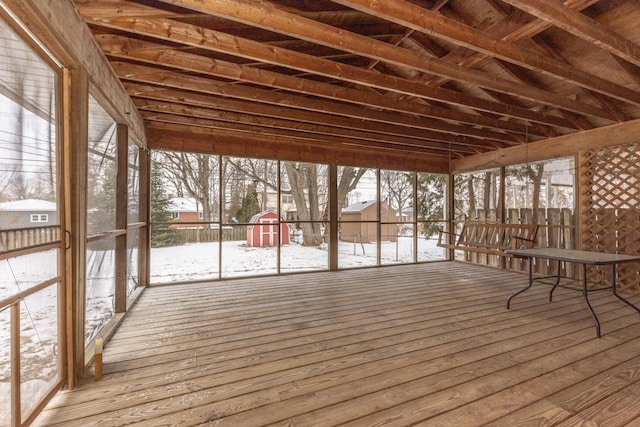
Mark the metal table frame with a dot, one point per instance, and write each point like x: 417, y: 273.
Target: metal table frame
x: 584, y: 258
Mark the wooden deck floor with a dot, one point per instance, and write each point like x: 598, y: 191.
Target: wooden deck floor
x: 411, y: 345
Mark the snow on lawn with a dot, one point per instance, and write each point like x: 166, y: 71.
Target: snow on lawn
x: 38, y: 329
x: 199, y: 261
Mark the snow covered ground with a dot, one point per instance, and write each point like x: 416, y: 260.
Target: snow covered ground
x: 199, y: 261
x: 194, y: 261
x: 38, y: 329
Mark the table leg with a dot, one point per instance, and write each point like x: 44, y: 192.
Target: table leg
x: 555, y: 285
x: 585, y: 293
x: 615, y: 292
x: 527, y: 287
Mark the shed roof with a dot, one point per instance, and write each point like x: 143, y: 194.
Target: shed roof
x: 359, y: 206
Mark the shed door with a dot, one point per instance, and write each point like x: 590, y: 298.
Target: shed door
x: 268, y: 231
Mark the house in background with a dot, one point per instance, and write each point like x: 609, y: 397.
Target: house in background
x: 185, y: 210
x: 355, y: 228
x: 27, y: 213
x: 264, y: 230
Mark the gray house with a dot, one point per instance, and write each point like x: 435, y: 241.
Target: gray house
x: 27, y: 213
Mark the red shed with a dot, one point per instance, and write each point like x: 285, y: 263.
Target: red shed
x: 265, y: 230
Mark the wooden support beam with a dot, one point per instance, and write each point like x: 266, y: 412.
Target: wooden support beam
x: 75, y: 102
x: 160, y: 55
x: 150, y: 97
x: 200, y: 140
x: 632, y: 70
x: 333, y: 217
x: 268, y: 17
x: 120, y: 296
x: 144, y: 236
x: 404, y: 13
x: 14, y: 360
x: 191, y: 35
x: 580, y: 25
x: 187, y: 122
x: 150, y: 75
x: 356, y: 140
x: 248, y: 123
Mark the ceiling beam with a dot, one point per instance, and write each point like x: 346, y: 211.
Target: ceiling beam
x: 404, y: 13
x: 155, y: 111
x: 145, y: 93
x: 136, y: 50
x: 262, y: 133
x: 185, y: 138
x: 266, y: 16
x: 517, y: 27
x: 581, y: 26
x: 217, y: 41
x: 151, y: 75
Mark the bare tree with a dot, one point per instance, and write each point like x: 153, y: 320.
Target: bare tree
x: 398, y: 187
x: 303, y: 179
x: 247, y: 171
x: 348, y: 181
x: 193, y: 174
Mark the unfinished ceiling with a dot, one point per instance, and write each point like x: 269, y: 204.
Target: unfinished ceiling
x: 437, y: 78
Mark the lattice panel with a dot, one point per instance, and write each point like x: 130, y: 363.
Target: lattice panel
x: 610, y: 208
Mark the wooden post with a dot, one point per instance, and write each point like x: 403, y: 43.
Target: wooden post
x: 16, y: 405
x: 378, y: 225
x: 333, y: 216
x: 144, y: 238
x: 450, y: 224
x: 97, y: 360
x: 75, y: 136
x: 122, y: 184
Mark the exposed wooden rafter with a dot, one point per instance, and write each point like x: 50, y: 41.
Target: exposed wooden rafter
x: 270, y: 18
x: 434, y: 80
x: 581, y: 26
x: 406, y: 14
x: 218, y: 41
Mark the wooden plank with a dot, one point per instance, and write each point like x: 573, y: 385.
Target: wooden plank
x: 200, y: 37
x: 540, y: 413
x: 193, y: 118
x: 148, y: 97
x: 360, y: 345
x: 15, y: 350
x: 144, y: 236
x: 75, y: 139
x: 216, y: 118
x: 618, y: 409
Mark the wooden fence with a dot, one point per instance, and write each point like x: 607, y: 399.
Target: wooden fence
x: 557, y: 230
x: 202, y: 235
x: 23, y: 238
